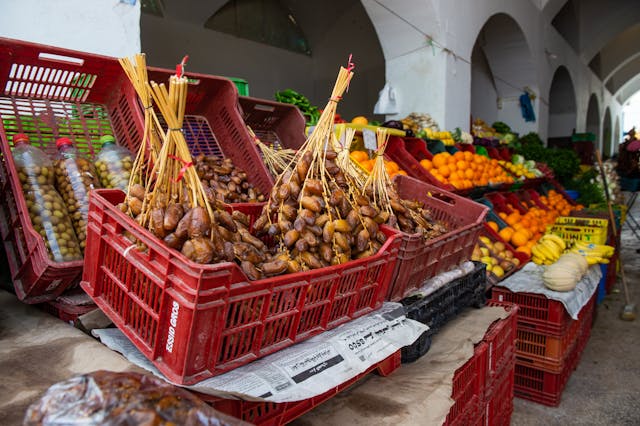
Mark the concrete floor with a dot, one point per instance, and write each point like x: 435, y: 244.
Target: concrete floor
x: 605, y: 388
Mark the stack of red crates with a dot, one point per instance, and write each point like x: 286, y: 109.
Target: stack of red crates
x: 483, y: 387
x: 549, y: 344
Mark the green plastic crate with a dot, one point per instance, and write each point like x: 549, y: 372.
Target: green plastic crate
x: 241, y: 84
x: 583, y: 137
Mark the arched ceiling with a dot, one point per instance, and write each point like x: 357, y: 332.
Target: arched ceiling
x: 605, y: 34
x: 508, y: 54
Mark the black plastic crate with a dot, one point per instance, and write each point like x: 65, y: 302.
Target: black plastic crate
x: 439, y: 307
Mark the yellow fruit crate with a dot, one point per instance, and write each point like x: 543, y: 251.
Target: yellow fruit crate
x: 582, y: 221
x: 591, y: 230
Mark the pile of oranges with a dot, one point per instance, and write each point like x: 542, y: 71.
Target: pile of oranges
x: 524, y: 230
x: 363, y: 159
x: 464, y: 170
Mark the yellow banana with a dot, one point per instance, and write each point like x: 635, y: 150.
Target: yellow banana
x: 553, y: 247
x: 555, y: 239
x: 550, y: 250
x: 537, y: 259
x: 536, y: 253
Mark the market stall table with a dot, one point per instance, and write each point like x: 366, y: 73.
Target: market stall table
x: 38, y: 350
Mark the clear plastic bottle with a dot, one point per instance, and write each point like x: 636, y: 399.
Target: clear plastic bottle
x: 46, y: 207
x: 75, y: 177
x: 113, y: 164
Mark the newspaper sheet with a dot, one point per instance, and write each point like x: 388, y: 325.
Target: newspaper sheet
x: 306, y: 369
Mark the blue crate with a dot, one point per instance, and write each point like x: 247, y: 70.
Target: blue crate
x: 602, y: 287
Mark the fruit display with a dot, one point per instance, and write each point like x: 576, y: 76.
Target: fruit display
x: 527, y: 222
x: 482, y: 130
x: 113, y: 164
x: 75, y: 177
x: 548, y: 249
x: 565, y: 273
x: 224, y: 182
x: 445, y: 137
x: 499, y: 259
x: 521, y: 168
x: 173, y: 204
x: 363, y: 159
x: 465, y: 170
x: 46, y: 208
x: 419, y: 123
x: 593, y: 253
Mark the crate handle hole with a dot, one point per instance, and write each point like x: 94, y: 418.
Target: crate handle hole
x: 267, y: 108
x: 193, y: 81
x: 60, y: 58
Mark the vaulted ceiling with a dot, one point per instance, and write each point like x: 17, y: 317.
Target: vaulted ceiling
x: 606, y: 34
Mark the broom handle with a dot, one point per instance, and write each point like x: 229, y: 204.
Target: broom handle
x: 613, y: 225
x: 606, y: 193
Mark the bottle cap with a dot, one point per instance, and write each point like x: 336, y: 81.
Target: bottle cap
x: 63, y: 142
x: 107, y: 139
x: 20, y: 138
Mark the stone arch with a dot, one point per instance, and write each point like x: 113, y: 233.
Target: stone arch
x: 607, y: 134
x: 501, y: 67
x: 562, y: 104
x: 616, y: 135
x: 593, y: 118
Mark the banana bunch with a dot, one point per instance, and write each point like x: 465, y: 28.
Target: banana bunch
x: 593, y: 253
x: 564, y: 274
x: 548, y: 249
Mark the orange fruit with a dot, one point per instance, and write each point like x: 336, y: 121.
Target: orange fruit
x: 360, y: 120
x: 493, y: 226
x: 513, y: 218
x: 392, y: 165
x: 359, y: 156
x: 520, y: 238
x: 439, y: 160
x: 444, y: 170
x: 469, y: 174
x: 524, y: 249
x: 427, y: 164
x: 506, y: 233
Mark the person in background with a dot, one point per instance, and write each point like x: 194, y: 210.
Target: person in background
x: 628, y: 164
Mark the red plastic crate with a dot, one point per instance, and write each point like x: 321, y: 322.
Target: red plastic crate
x: 466, y: 147
x: 397, y: 152
x: 498, y: 405
x: 544, y: 387
x: 418, y: 259
x: 213, y: 124
x: 505, y: 202
x: 48, y: 92
x: 417, y: 148
x: 548, y: 352
x: 501, y: 342
x: 536, y: 311
x: 196, y: 321
x: 273, y: 122
x: 67, y: 311
x: 276, y: 414
x: 468, y: 388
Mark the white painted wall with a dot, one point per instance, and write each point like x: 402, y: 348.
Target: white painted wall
x: 107, y: 27
x: 455, y: 24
